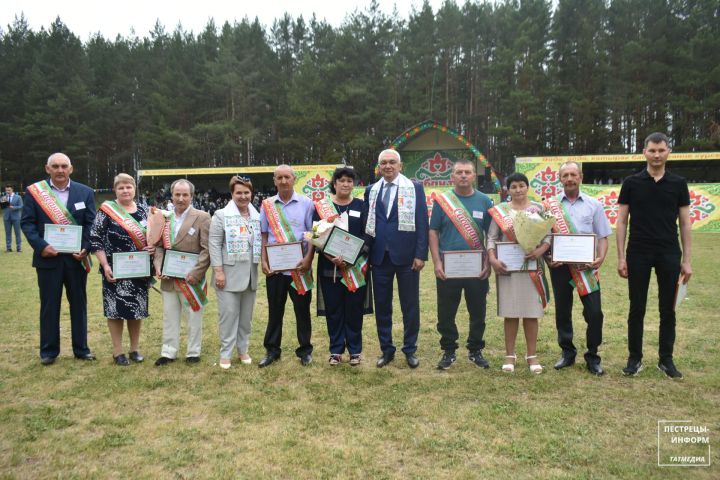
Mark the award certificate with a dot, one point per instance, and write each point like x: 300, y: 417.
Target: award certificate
x: 341, y: 243
x: 513, y: 256
x: 131, y: 265
x: 284, y: 256
x: 64, y: 238
x: 177, y: 264
x: 573, y: 248
x: 463, y: 263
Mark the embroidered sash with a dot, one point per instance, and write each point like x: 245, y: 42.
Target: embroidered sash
x: 501, y: 213
x: 280, y: 227
x: 461, y: 218
x: 195, y: 295
x: 585, y: 281
x: 406, y: 205
x: 241, y: 234
x: 55, y: 210
x: 133, y: 228
x: 353, y: 276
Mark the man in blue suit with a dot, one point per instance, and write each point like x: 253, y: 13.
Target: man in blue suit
x: 397, y: 234
x: 59, y: 201
x: 12, y: 208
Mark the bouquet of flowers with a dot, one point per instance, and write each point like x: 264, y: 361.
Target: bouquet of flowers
x: 321, y: 229
x: 531, y: 228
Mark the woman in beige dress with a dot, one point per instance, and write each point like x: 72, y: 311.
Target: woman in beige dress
x: 517, y: 292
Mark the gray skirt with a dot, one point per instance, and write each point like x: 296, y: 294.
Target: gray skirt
x: 517, y: 296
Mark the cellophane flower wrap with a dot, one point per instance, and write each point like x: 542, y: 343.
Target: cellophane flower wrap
x: 531, y: 228
x: 321, y: 229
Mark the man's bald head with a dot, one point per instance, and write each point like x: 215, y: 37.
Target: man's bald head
x: 58, y: 156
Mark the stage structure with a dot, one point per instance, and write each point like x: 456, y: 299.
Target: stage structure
x: 603, y: 175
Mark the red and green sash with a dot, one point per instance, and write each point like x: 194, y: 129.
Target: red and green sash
x: 280, y: 227
x: 133, y: 228
x: 196, y: 295
x: 501, y: 214
x: 55, y: 210
x: 461, y: 218
x: 585, y: 281
x: 353, y: 276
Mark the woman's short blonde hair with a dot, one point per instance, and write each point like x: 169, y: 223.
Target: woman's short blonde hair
x: 124, y: 178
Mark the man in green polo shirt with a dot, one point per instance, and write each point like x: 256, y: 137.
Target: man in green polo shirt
x: 460, y: 221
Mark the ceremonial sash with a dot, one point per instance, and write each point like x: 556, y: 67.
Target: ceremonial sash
x: 280, y: 227
x: 353, y: 276
x: 195, y: 295
x: 585, y: 281
x: 501, y: 214
x: 55, y: 210
x: 461, y: 218
x: 133, y: 228
x: 406, y: 205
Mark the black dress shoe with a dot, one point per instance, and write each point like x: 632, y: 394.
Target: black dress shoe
x: 192, y: 359
x: 564, y: 362
x: 136, y: 357
x: 47, y: 360
x: 163, y: 361
x: 595, y: 369
x: 267, y: 360
x: 88, y: 356
x: 121, y: 360
x: 306, y: 360
x: 385, y: 359
x: 412, y: 360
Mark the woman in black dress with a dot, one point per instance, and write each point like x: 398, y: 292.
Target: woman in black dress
x: 344, y: 294
x: 121, y: 227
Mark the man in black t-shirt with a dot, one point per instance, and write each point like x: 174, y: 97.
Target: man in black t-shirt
x: 655, y: 199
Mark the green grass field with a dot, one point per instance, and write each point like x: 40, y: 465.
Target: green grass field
x: 94, y: 420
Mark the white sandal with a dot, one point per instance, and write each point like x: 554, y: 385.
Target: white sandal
x: 537, y: 368
x: 509, y: 367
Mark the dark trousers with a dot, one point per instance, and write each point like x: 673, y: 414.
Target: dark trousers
x: 50, y: 283
x: 9, y: 226
x: 278, y: 288
x: 592, y: 312
x: 344, y: 314
x: 408, y: 282
x: 448, y: 301
x: 667, y: 271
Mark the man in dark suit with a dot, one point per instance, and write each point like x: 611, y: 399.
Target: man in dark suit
x: 12, y: 208
x: 59, y: 201
x: 397, y: 234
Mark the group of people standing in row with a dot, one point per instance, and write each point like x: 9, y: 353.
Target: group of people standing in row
x: 393, y: 221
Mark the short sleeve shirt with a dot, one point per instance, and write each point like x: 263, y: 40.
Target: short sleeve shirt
x: 654, y: 208
x: 477, y: 205
x: 587, y: 215
x: 298, y: 211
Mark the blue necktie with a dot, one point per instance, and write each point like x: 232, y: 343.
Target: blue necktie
x: 386, y: 197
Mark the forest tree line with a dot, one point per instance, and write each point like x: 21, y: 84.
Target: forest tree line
x: 516, y: 77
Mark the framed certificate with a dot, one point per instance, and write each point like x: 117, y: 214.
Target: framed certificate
x: 131, y: 265
x: 341, y: 243
x: 64, y: 238
x: 463, y: 263
x: 513, y: 256
x: 284, y: 256
x: 573, y: 248
x: 177, y: 264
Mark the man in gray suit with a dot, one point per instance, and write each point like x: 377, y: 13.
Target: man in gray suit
x: 12, y: 210
x: 235, y: 244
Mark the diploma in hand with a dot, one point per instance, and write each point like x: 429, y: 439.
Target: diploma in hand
x: 64, y: 238
x: 131, y: 265
x: 343, y: 244
x: 573, y: 248
x: 177, y: 264
x: 513, y: 256
x: 284, y: 256
x: 463, y: 263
